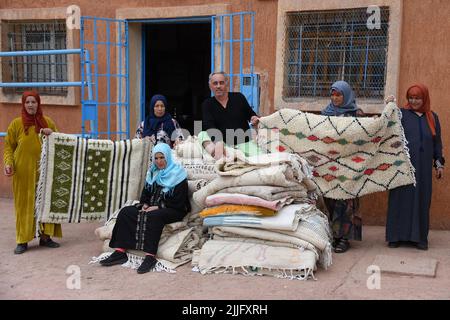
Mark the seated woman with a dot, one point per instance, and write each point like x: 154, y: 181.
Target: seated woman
x: 159, y: 124
x: 164, y: 200
x: 344, y: 215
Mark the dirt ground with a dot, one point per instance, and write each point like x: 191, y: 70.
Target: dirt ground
x: 44, y: 273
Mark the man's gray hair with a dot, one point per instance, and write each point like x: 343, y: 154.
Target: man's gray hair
x: 217, y: 72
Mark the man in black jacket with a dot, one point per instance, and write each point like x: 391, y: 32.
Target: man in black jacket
x: 225, y: 118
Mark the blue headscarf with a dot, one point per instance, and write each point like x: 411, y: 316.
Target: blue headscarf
x: 349, y: 104
x: 153, y: 123
x: 168, y: 177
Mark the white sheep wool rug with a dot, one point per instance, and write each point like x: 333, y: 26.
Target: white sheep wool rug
x: 351, y: 156
x: 86, y: 180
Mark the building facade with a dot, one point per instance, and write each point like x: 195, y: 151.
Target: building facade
x: 282, y: 54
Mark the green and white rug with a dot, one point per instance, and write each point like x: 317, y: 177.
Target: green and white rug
x: 86, y: 180
x: 351, y: 156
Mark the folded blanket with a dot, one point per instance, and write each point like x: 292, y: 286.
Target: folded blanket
x: 286, y: 219
x: 281, y: 175
x: 269, y: 193
x: 195, y: 185
x: 241, y: 164
x: 254, y: 259
x: 230, y: 209
x: 243, y: 199
x: 272, y: 238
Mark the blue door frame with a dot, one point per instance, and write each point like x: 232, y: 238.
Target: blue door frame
x: 113, y: 47
x: 248, y: 82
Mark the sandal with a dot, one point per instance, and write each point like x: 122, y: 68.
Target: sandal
x: 342, y: 245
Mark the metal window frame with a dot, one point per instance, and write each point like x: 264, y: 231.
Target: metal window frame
x: 49, y: 61
x: 297, y: 85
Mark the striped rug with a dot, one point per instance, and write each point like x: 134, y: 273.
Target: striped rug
x: 86, y: 180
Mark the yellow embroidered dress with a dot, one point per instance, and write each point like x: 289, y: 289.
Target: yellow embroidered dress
x: 23, y: 152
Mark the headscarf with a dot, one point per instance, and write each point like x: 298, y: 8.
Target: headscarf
x: 37, y: 120
x: 168, y: 177
x: 349, y: 104
x: 153, y: 123
x: 421, y: 90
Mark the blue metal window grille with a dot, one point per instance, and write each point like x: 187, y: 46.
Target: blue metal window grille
x: 32, y: 36
x: 104, y: 67
x: 326, y: 46
x: 232, y: 51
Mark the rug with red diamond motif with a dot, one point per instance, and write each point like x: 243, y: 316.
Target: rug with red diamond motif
x: 351, y: 156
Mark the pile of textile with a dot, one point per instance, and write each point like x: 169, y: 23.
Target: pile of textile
x: 178, y: 239
x: 176, y: 246
x: 262, y: 220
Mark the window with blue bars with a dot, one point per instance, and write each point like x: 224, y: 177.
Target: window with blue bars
x: 34, y: 35
x: 326, y: 46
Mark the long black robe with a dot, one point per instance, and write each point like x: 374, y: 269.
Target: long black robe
x: 409, y: 206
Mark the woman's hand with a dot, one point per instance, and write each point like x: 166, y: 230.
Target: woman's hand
x: 9, y: 171
x: 46, y: 131
x: 390, y: 98
x: 440, y: 173
x: 147, y: 208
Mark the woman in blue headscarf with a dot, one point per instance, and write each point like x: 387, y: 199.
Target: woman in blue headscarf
x: 159, y: 124
x: 164, y: 200
x: 344, y: 215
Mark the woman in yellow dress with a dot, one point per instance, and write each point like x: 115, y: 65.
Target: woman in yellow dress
x: 21, y: 157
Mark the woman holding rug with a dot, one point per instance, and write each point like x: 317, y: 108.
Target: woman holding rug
x: 409, y: 206
x: 164, y: 200
x: 344, y: 215
x: 159, y: 124
x: 21, y: 158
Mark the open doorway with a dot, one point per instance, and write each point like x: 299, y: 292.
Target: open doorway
x: 177, y: 65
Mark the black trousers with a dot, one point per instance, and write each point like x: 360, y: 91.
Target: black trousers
x: 139, y: 230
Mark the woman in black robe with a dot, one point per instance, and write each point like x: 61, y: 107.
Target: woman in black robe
x: 344, y: 215
x: 164, y: 200
x: 409, y: 206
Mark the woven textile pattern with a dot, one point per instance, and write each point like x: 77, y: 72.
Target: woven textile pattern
x: 86, y: 180
x: 351, y: 156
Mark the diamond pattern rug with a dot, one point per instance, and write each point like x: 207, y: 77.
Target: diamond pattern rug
x: 86, y: 180
x: 351, y: 156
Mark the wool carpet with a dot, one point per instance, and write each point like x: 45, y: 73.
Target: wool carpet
x: 86, y: 180
x: 351, y: 156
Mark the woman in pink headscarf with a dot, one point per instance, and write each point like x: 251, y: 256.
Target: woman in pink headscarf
x: 409, y: 206
x: 21, y: 158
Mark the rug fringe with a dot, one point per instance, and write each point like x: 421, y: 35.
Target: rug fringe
x: 134, y: 262
x: 39, y: 195
x: 300, y: 273
x: 405, y: 146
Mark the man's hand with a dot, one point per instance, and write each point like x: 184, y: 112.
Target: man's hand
x: 9, y: 171
x: 209, y: 147
x: 254, y: 121
x: 219, y: 150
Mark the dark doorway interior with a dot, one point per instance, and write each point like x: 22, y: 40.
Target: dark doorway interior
x: 178, y: 62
